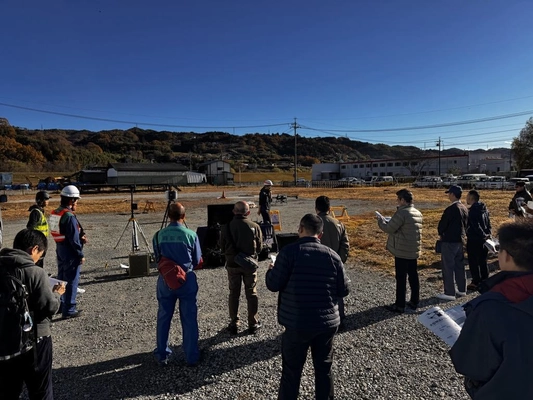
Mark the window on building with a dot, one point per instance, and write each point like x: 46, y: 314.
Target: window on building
x: 398, y: 164
x: 375, y: 165
x: 355, y: 166
x: 382, y: 164
x: 405, y: 164
x: 374, y: 174
x: 220, y: 168
x: 414, y: 163
x: 368, y: 165
x: 389, y: 164
x: 343, y: 166
x: 382, y: 174
x: 432, y: 172
x: 455, y: 161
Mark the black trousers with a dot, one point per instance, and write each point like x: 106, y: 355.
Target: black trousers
x: 22, y: 369
x: 477, y: 260
x: 294, y: 346
x: 406, y: 268
x: 265, y: 214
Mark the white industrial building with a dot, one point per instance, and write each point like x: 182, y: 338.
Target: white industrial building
x: 421, y: 166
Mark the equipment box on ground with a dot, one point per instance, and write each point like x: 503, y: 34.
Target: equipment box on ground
x: 139, y: 264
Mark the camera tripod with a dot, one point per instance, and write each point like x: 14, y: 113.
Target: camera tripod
x: 136, y: 228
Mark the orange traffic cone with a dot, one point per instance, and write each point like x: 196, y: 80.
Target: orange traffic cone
x: 223, y: 195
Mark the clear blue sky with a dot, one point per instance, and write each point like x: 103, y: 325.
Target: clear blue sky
x: 339, y: 67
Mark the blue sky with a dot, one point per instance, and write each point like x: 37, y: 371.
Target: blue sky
x: 374, y: 71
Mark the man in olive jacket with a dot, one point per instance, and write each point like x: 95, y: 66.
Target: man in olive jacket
x: 405, y: 236
x: 244, y: 235
x: 334, y: 236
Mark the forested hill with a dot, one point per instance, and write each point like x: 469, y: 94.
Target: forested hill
x: 65, y: 150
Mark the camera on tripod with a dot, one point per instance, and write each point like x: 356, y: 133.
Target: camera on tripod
x: 171, y: 195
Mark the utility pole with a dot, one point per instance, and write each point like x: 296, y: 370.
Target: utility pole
x: 295, y: 126
x: 439, y: 143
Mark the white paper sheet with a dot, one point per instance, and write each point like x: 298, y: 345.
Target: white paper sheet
x: 443, y: 324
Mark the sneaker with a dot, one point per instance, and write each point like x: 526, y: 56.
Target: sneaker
x: 444, y: 296
x: 163, y: 363
x: 394, y: 308
x: 472, y: 286
x: 411, y: 305
x: 253, y: 329
x: 233, y: 329
x: 460, y: 294
x: 74, y: 314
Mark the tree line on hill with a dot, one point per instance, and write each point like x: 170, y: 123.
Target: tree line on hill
x: 68, y: 150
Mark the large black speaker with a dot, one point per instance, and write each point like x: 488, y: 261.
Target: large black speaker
x: 220, y: 214
x: 211, y: 252
x: 284, y: 239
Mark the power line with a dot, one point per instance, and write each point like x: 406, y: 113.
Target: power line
x: 430, y: 111
x: 136, y: 122
x: 412, y: 128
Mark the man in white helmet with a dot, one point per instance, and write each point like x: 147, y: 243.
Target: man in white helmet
x: 265, y: 199
x: 70, y: 238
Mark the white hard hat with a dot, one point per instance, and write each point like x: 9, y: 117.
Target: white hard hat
x: 268, y: 182
x: 70, y: 191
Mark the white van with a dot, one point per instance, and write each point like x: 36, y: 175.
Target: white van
x: 470, y: 180
x: 384, y: 181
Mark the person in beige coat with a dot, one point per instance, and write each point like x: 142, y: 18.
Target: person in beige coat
x: 405, y: 236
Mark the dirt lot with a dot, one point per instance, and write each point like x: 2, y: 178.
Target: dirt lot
x: 106, y: 353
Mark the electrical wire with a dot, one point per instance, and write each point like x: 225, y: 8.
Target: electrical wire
x: 137, y: 123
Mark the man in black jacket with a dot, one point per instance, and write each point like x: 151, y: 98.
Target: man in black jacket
x: 310, y: 278
x: 265, y: 199
x: 33, y: 367
x: 520, y: 198
x: 477, y: 231
x: 452, y: 230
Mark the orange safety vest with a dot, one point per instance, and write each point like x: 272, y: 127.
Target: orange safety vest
x: 55, y: 217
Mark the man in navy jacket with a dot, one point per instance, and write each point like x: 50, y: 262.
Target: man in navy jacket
x: 494, y: 350
x: 311, y: 279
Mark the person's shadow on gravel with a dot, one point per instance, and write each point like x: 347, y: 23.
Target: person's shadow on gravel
x: 140, y: 375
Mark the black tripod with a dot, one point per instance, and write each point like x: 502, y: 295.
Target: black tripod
x: 171, y: 196
x: 136, y: 229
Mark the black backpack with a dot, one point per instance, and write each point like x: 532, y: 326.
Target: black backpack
x: 17, y: 332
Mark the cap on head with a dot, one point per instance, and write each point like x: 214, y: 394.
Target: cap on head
x: 520, y: 183
x: 268, y: 182
x: 457, y: 191
x: 42, y: 196
x: 70, y: 191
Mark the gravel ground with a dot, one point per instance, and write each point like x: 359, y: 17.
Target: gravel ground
x: 106, y: 353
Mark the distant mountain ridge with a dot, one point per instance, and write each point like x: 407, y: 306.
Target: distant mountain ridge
x: 61, y: 150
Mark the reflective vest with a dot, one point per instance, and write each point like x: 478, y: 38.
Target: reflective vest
x: 55, y: 217
x: 42, y: 225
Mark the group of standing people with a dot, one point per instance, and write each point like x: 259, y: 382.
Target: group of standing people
x: 312, y: 283
x: 458, y: 222
x: 309, y: 275
x: 32, y: 363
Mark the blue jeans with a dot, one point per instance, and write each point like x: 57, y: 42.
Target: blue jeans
x: 69, y: 271
x: 167, y: 298
x: 453, y: 268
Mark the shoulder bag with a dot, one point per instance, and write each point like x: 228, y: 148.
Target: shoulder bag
x: 241, y: 258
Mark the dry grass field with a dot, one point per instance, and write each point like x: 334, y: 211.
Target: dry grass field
x: 367, y: 241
